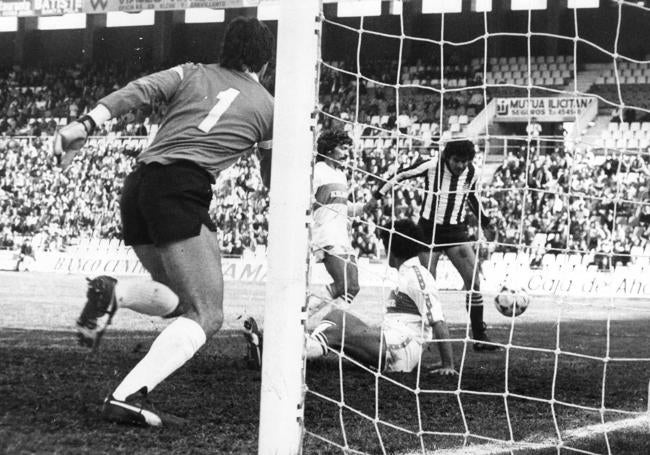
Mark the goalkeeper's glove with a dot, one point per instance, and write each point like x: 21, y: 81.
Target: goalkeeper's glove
x: 69, y: 139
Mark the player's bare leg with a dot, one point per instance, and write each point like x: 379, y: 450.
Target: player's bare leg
x: 463, y: 259
x: 343, y: 270
x: 193, y: 267
x: 151, y: 260
x: 343, y: 331
x: 430, y: 261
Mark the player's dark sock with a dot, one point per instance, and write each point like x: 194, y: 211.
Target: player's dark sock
x: 332, y: 291
x: 474, y: 300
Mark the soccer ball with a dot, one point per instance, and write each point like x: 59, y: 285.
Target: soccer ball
x: 511, y: 302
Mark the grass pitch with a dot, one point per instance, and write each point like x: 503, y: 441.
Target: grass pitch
x: 51, y: 390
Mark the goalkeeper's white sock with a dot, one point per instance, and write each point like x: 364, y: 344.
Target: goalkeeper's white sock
x: 145, y: 296
x: 174, y: 346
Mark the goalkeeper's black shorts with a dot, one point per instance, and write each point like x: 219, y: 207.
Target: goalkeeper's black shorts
x: 443, y: 236
x: 165, y: 203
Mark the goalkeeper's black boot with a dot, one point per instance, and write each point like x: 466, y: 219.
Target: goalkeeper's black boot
x: 254, y: 337
x: 100, y: 300
x: 136, y: 410
x: 483, y: 343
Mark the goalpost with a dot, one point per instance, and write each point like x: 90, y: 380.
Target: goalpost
x: 568, y: 379
x: 281, y: 409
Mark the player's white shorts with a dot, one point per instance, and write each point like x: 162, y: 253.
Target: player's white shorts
x: 335, y: 250
x: 403, y: 343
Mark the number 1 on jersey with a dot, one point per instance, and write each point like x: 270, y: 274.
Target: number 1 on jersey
x: 224, y: 100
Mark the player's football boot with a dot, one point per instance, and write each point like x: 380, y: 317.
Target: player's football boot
x: 483, y: 343
x: 254, y: 338
x: 100, y: 300
x: 138, y: 411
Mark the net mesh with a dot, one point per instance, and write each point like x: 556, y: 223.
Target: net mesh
x: 568, y: 198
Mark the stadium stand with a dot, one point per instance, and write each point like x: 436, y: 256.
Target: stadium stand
x: 57, y: 209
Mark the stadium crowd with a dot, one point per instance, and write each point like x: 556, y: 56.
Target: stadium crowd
x: 579, y: 202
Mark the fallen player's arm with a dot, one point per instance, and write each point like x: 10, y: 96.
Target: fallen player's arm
x: 441, y: 335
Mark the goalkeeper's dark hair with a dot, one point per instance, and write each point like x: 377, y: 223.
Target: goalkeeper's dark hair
x: 407, y: 239
x: 329, y: 140
x: 463, y: 150
x: 247, y: 44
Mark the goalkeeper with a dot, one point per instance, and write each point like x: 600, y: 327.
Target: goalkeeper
x: 216, y: 114
x: 412, y: 319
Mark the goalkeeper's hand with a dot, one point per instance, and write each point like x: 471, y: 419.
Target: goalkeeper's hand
x: 69, y: 140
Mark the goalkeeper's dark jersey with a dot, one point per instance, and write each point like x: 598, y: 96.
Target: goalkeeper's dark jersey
x: 214, y: 115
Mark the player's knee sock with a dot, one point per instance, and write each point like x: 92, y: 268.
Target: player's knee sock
x: 474, y: 300
x: 174, y: 346
x: 145, y: 296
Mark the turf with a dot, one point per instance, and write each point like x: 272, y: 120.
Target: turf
x: 51, y: 390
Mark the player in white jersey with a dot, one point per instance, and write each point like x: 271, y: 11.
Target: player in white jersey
x: 330, y: 230
x: 414, y: 316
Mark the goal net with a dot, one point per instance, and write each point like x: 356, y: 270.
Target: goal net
x: 556, y: 97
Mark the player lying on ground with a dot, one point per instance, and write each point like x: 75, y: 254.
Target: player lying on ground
x: 216, y: 114
x: 414, y: 317
x: 330, y: 230
x: 450, y: 183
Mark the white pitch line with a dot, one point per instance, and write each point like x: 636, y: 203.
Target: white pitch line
x: 586, y: 432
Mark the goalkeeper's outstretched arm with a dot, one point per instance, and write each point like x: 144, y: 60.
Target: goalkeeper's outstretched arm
x: 162, y: 85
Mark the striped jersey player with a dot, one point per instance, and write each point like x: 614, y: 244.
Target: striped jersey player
x: 450, y: 185
x: 216, y: 113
